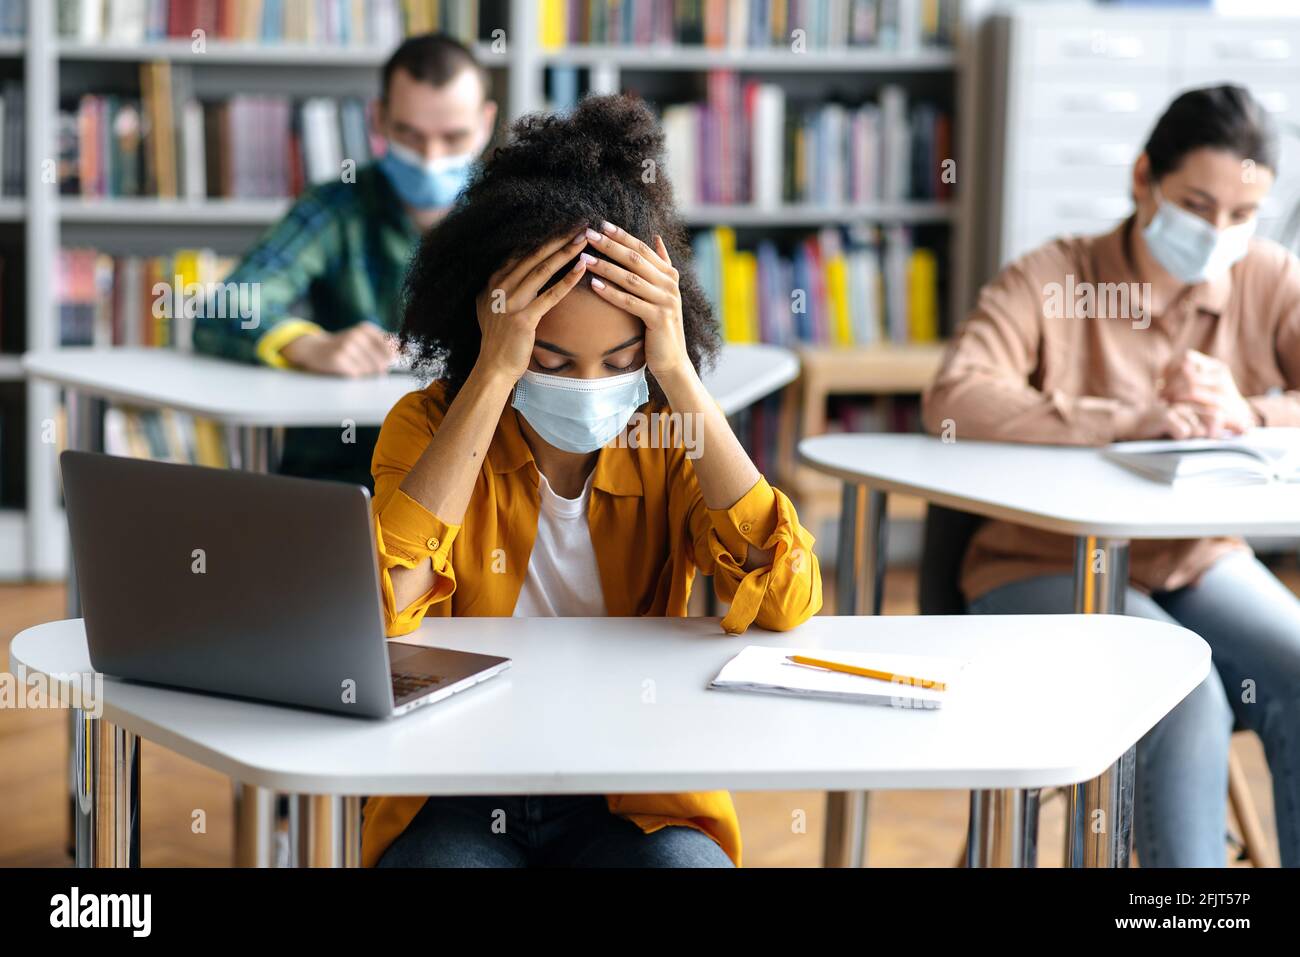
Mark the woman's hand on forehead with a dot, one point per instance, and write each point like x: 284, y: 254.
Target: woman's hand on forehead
x: 642, y: 281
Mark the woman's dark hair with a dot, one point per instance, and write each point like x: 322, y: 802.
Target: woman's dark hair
x: 556, y: 174
x: 1220, y: 117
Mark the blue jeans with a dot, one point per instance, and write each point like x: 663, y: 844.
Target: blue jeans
x: 546, y: 830
x: 1251, y: 622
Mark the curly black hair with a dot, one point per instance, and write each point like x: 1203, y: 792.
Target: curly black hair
x: 556, y: 174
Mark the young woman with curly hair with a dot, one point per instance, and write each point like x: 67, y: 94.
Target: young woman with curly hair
x: 555, y: 304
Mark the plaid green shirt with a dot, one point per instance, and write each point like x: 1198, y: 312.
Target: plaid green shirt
x: 337, y: 258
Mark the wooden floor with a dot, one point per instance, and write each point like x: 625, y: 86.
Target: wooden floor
x: 781, y: 829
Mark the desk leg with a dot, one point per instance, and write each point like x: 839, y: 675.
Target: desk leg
x: 255, y: 449
x: 1003, y: 830
x: 254, y: 808
x: 860, y: 563
x: 1099, y: 813
x: 108, y: 794
x: 846, y: 829
x: 254, y: 826
x: 859, y: 585
x: 1099, y: 817
x: 85, y: 433
x: 325, y: 830
x: 1100, y: 575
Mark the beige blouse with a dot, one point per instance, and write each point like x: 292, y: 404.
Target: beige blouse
x: 1061, y: 349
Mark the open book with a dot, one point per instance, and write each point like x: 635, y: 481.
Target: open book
x: 1260, y: 456
x: 765, y: 669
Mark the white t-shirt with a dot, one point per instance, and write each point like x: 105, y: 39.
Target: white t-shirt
x: 562, y: 578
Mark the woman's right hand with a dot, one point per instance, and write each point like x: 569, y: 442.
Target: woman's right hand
x: 509, y: 307
x: 1160, y: 420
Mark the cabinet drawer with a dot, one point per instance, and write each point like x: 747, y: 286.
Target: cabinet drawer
x: 1209, y: 50
x: 1110, y: 47
x: 1067, y: 104
x: 1281, y: 99
x: 1067, y: 154
x: 1057, y: 205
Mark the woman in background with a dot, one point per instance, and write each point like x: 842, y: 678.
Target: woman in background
x: 1209, y: 346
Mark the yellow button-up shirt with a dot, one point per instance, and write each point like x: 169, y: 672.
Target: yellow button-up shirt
x: 650, y: 530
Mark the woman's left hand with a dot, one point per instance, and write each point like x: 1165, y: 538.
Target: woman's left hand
x: 642, y: 281
x: 1206, y: 383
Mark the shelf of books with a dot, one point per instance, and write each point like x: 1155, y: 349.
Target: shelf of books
x: 172, y: 119
x: 810, y: 145
x: 366, y: 26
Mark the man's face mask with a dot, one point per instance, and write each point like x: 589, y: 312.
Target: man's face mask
x: 425, y: 184
x: 579, y: 415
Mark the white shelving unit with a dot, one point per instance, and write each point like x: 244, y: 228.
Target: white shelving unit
x: 33, y: 542
x: 1084, y: 87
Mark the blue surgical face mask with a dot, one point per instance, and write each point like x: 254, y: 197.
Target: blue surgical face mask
x: 579, y: 415
x: 1189, y: 248
x: 425, y: 184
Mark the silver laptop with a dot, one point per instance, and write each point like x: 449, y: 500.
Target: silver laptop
x: 258, y: 586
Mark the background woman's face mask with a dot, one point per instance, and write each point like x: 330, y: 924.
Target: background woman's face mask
x: 1189, y: 248
x: 425, y: 184
x: 579, y: 415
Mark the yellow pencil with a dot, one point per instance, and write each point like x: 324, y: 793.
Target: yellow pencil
x: 866, y: 672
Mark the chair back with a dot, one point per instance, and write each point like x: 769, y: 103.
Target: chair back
x: 947, y: 534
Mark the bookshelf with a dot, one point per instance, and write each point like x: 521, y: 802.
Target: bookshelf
x: 257, y: 212
x: 55, y: 69
x: 675, y: 59
x: 227, y: 53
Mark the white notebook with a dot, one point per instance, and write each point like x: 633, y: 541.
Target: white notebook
x: 766, y: 669
x: 1260, y: 456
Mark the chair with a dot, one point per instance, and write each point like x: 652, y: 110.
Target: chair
x: 946, y: 536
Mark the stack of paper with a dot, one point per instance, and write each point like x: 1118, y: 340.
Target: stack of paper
x: 768, y: 669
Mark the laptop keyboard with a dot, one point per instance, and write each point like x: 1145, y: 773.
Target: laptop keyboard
x: 406, y: 683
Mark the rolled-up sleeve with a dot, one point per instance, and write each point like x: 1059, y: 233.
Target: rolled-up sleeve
x: 406, y: 533
x: 779, y: 595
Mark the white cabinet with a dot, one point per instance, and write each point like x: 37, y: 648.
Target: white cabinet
x: 1084, y: 87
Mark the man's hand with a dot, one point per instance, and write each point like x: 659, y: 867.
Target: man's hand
x: 362, y: 350
x: 1206, y: 384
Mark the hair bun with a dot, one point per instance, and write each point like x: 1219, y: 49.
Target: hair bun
x: 602, y: 136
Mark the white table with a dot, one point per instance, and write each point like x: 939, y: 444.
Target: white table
x: 1068, y: 490
x: 256, y: 401
x: 258, y: 397
x: 571, y: 716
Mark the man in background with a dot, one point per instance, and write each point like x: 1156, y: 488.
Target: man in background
x: 342, y: 250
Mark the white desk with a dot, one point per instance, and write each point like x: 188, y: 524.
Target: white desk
x: 570, y: 717
x: 256, y: 400
x: 1071, y: 491
x: 253, y: 396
